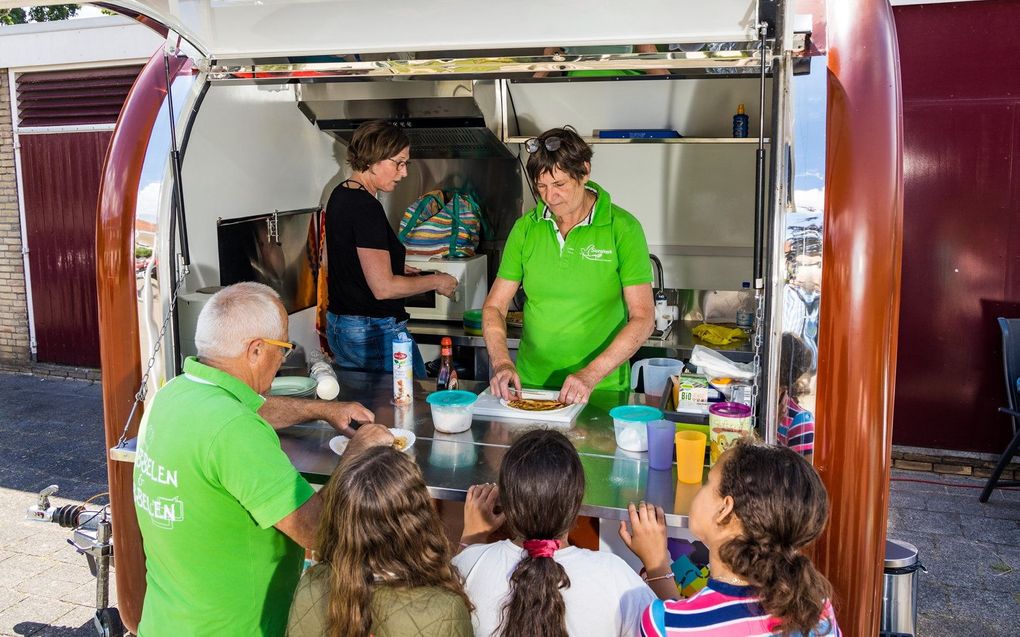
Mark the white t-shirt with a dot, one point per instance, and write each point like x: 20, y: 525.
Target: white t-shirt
x: 605, y: 596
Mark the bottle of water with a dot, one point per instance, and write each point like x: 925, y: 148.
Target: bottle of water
x: 403, y: 370
x: 745, y: 308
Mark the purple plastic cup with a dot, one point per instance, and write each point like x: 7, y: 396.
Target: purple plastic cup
x: 660, y: 444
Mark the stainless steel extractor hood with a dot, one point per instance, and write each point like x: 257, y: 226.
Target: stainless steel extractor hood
x: 443, y: 119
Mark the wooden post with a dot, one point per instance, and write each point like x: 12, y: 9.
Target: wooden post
x: 860, y: 303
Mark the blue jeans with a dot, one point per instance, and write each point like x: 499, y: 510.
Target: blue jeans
x: 366, y: 343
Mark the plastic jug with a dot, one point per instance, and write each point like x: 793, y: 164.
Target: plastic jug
x: 656, y: 372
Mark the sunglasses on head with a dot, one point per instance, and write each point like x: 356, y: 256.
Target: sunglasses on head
x: 551, y: 144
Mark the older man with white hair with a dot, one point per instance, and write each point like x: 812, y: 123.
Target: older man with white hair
x: 223, y: 512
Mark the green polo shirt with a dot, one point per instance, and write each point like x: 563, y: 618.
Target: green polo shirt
x: 210, y: 481
x: 574, y: 286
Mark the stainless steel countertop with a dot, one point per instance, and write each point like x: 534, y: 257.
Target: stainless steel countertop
x: 679, y: 343
x: 453, y: 462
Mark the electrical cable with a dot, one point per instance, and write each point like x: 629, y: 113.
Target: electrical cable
x: 96, y: 496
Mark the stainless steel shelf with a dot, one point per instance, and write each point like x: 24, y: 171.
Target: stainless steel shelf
x: 667, y: 140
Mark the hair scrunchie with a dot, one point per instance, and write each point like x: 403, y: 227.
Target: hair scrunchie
x: 541, y: 548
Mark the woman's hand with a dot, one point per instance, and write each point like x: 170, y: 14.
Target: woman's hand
x: 504, y: 378
x: 577, y: 387
x: 445, y: 285
x: 647, y: 537
x: 481, y: 515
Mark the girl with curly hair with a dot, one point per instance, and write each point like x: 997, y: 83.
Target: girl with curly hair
x: 762, y: 505
x: 385, y: 562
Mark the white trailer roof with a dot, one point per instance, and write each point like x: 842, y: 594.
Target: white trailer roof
x: 229, y: 29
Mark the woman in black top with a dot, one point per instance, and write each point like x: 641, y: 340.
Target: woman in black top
x: 368, y: 279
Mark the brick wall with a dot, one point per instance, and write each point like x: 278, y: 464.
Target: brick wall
x: 15, y: 354
x: 951, y: 462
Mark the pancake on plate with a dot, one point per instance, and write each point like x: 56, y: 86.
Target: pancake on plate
x: 529, y: 404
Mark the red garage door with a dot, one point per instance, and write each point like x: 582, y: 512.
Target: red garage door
x: 61, y: 179
x: 65, y: 122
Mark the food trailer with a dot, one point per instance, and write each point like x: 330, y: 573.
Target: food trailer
x: 240, y: 124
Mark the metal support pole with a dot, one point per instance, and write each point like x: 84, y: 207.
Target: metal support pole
x: 175, y: 165
x: 103, y: 564
x: 759, y: 169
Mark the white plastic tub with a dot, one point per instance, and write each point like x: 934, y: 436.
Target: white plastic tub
x: 452, y: 410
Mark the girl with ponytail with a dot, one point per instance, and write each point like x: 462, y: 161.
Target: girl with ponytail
x: 762, y: 505
x: 535, y: 585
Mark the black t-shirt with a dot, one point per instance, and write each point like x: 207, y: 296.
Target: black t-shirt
x: 355, y: 219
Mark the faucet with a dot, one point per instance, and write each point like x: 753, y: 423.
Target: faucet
x: 658, y: 278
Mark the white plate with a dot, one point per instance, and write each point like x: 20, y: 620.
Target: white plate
x: 506, y: 403
x: 293, y: 386
x: 408, y: 435
x: 339, y: 443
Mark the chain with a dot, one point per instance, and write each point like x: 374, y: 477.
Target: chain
x: 757, y: 341
x: 143, y: 390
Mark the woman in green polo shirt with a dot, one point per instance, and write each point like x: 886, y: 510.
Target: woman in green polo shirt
x: 583, y: 262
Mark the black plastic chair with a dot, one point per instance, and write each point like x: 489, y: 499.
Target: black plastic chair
x: 1011, y: 367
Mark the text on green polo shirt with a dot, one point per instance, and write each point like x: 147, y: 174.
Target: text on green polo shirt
x: 210, y: 481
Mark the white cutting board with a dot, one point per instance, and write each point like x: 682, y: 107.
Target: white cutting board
x: 489, y: 405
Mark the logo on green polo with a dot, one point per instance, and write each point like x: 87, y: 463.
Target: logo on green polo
x: 595, y: 254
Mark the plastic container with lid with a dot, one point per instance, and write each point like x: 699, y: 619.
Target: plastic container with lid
x: 452, y: 410
x: 727, y: 423
x: 630, y: 422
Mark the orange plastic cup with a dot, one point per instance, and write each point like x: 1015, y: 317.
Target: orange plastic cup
x: 690, y: 456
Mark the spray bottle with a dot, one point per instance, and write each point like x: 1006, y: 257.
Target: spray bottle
x: 741, y: 122
x: 403, y: 370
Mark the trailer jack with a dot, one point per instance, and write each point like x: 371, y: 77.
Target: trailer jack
x: 92, y: 537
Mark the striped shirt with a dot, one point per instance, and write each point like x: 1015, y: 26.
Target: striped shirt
x: 796, y: 427
x: 721, y: 610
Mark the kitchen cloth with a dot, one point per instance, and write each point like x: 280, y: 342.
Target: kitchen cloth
x: 718, y: 334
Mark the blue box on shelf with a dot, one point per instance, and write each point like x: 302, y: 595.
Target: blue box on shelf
x: 637, y: 133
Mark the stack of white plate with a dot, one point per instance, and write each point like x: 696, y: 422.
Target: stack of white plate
x: 294, y: 386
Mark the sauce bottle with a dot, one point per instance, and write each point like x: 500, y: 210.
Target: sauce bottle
x: 447, y: 372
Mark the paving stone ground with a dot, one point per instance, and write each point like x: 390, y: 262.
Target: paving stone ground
x: 971, y: 551
x: 51, y: 431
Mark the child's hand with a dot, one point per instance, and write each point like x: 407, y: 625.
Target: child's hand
x: 480, y: 515
x: 647, y: 537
